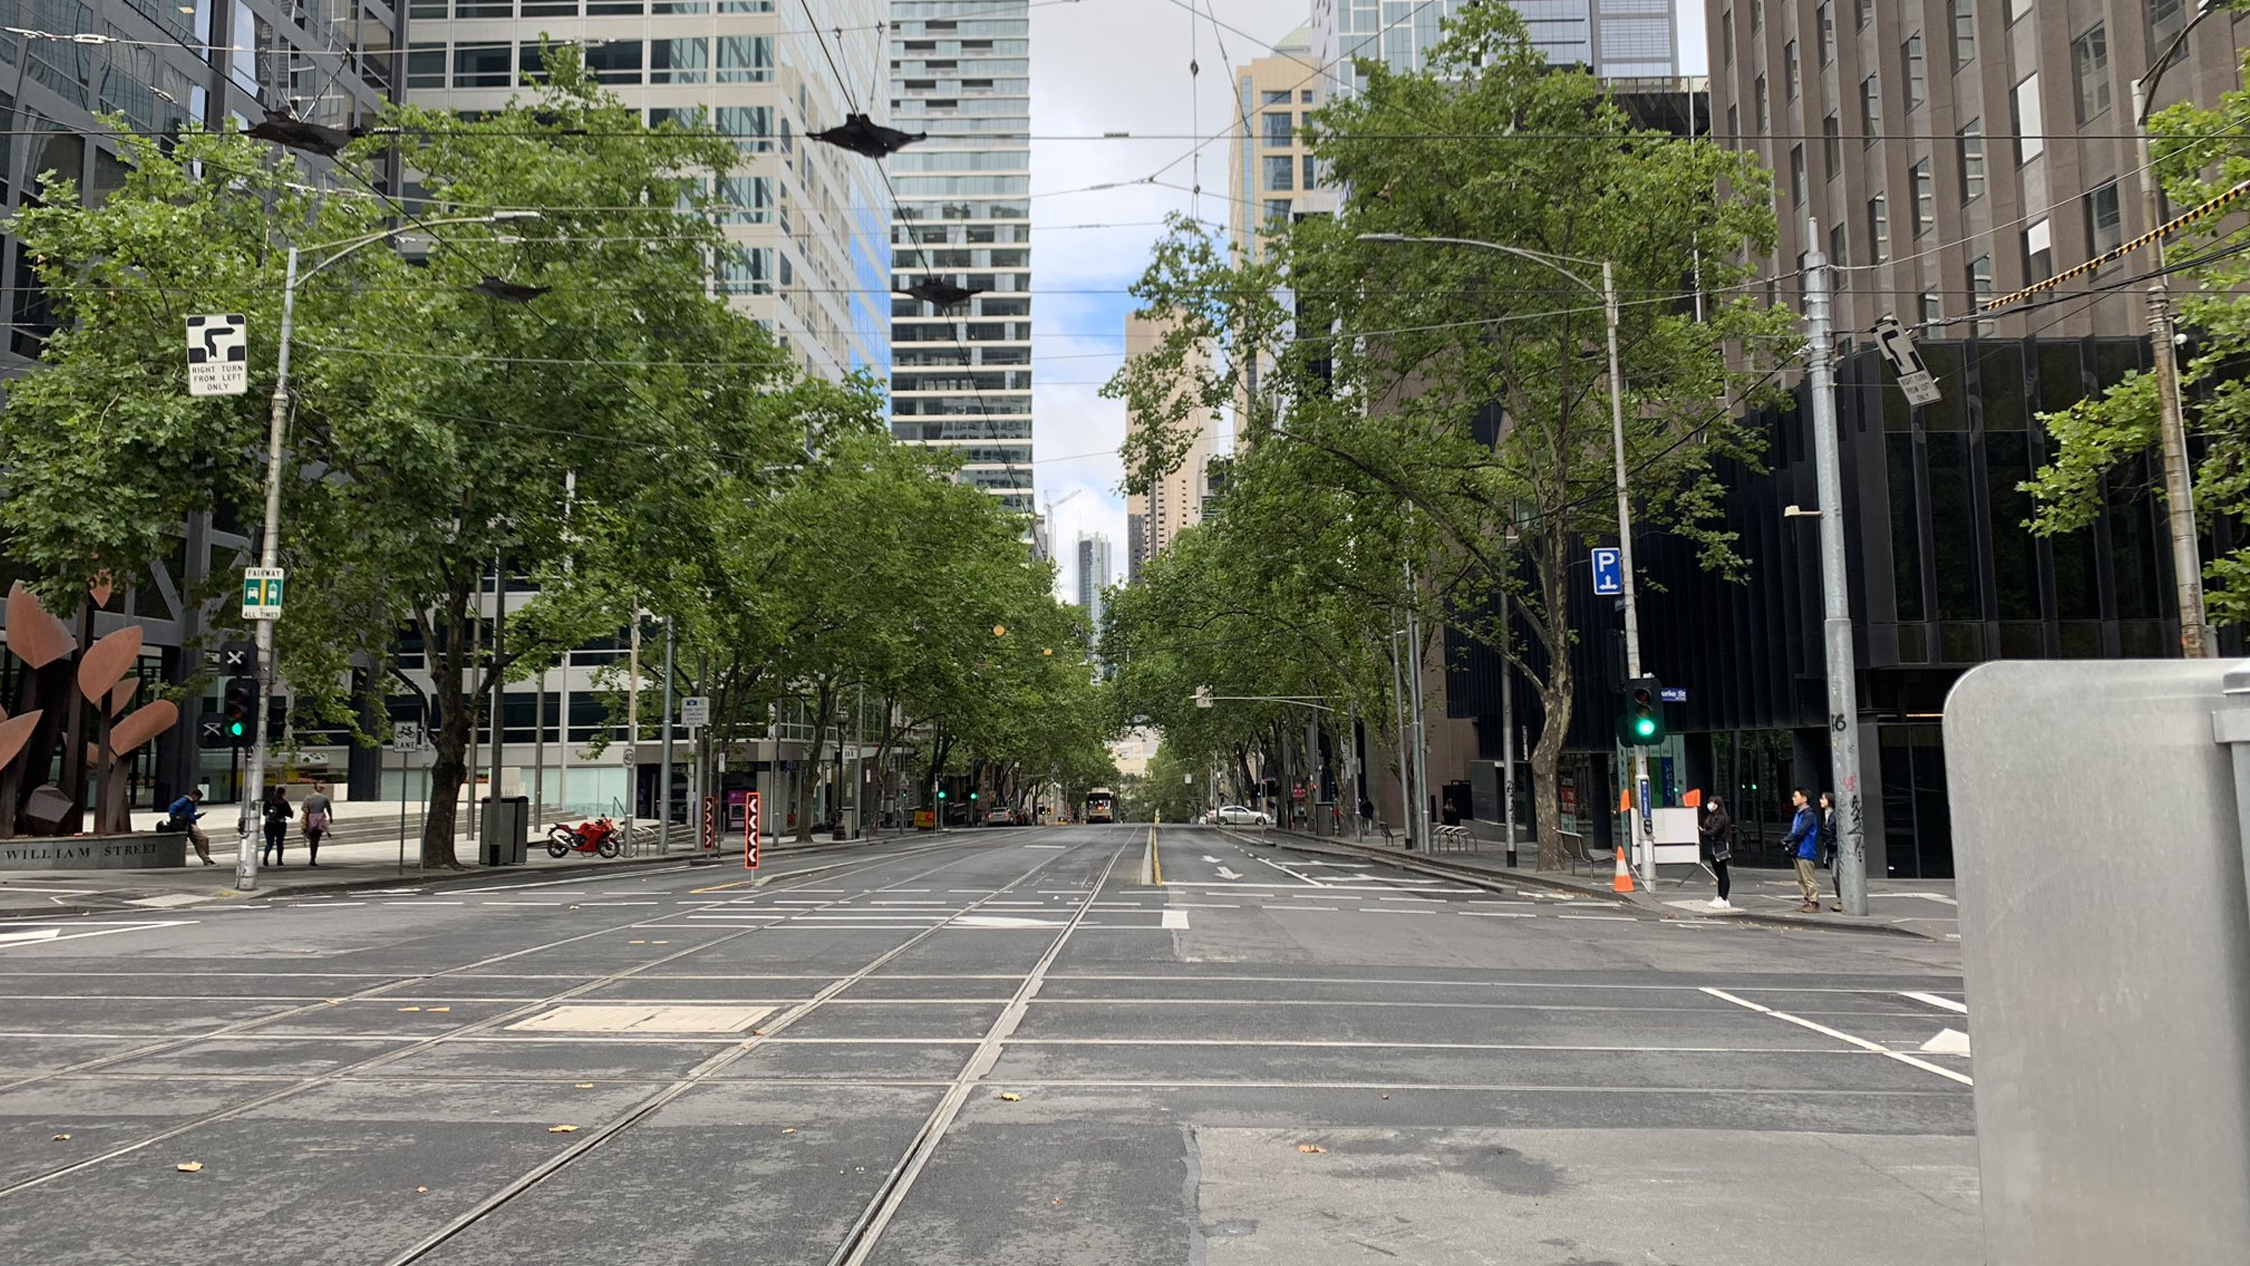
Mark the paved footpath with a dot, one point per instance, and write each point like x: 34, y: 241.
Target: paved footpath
x: 998, y: 1048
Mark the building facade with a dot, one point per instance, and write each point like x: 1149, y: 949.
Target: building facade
x: 1174, y: 503
x: 1616, y: 39
x: 961, y: 372
x: 1094, y: 574
x: 809, y: 218
x: 1952, y: 151
x: 1271, y: 176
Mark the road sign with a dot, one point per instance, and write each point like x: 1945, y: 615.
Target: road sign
x: 695, y: 710
x: 238, y: 657
x: 1673, y: 694
x: 261, y: 593
x: 750, y: 833
x: 1609, y: 571
x: 218, y: 355
x: 710, y: 832
x: 211, y: 731
x: 1897, y: 347
x: 407, y: 739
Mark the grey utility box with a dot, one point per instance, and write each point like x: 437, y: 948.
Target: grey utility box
x: 502, y: 831
x: 2106, y: 936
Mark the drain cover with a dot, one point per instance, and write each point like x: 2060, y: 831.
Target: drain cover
x: 613, y: 1018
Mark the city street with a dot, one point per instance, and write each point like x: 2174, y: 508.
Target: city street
x: 1001, y: 1047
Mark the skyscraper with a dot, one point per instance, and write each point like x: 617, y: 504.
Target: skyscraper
x: 1174, y: 503
x: 961, y: 371
x: 1093, y: 574
x: 807, y: 215
x: 1272, y: 177
x: 1616, y: 39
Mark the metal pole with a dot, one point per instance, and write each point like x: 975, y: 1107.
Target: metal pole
x: 1405, y: 736
x: 499, y: 683
x: 632, y: 732
x: 1421, y: 735
x: 664, y: 784
x: 1507, y: 737
x: 1836, y: 622
x: 859, y: 763
x: 2179, y: 487
x: 1312, y: 770
x: 539, y: 752
x: 269, y: 555
x: 402, y: 812
x: 1644, y: 847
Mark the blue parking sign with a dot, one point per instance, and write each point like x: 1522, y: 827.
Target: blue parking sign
x: 1609, y: 571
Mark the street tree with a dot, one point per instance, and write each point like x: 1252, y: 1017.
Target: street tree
x: 1466, y: 388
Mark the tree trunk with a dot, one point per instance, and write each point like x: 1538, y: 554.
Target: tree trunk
x: 824, y: 704
x: 456, y: 723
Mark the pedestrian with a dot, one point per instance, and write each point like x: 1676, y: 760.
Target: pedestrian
x: 1804, y: 846
x: 182, y: 816
x: 275, y: 810
x: 1718, y: 841
x: 1451, y: 815
x: 318, y: 814
x: 1828, y: 847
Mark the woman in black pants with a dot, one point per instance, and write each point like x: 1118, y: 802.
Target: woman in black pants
x: 1718, y: 840
x: 1828, y: 846
x: 276, y: 810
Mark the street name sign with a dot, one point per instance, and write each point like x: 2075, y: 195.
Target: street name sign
x: 1914, y: 377
x: 261, y: 593
x: 1609, y: 571
x: 1673, y: 694
x: 218, y: 355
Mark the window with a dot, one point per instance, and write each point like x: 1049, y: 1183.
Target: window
x: 1278, y: 129
x: 2089, y: 71
x: 2104, y: 230
x: 1757, y: 14
x: 1304, y: 96
x: 1980, y: 280
x: 1277, y: 96
x: 1734, y: 113
x: 617, y: 62
x: 485, y: 65
x: 2031, y: 137
x: 1277, y: 212
x: 745, y: 59
x: 1917, y: 85
x: 1878, y: 230
x: 1310, y: 181
x: 1964, y: 33
x: 2166, y: 19
x: 1797, y: 174
x: 1932, y: 311
x: 1824, y: 21
x: 1925, y: 198
x: 1280, y: 173
x: 1866, y: 13
x: 1789, y: 77
x: 1726, y: 36
x: 683, y: 61
x: 425, y: 65
x: 1972, y: 160
x: 1838, y: 240
x: 1870, y: 111
x: 1758, y: 103
x: 1832, y: 143
x: 2039, y: 251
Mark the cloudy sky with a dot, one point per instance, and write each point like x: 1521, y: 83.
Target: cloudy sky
x: 1122, y: 66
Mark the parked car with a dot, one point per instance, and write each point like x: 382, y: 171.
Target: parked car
x: 1236, y: 815
x: 1000, y: 815
x: 1210, y: 817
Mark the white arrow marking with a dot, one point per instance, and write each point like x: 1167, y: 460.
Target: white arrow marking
x: 1225, y: 873
x: 1947, y: 1042
x: 1213, y: 860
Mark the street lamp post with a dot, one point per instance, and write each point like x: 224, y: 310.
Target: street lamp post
x: 269, y: 546
x: 1608, y: 294
x: 2179, y: 487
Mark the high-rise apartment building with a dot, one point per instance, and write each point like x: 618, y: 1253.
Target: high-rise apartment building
x: 1616, y: 39
x: 1093, y: 573
x: 961, y: 372
x: 1136, y: 536
x: 1956, y: 151
x: 1271, y: 176
x: 809, y: 217
x: 1174, y: 503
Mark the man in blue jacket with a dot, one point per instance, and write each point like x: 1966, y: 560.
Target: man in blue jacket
x: 1804, y: 845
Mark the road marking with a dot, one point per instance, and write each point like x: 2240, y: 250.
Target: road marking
x: 1841, y: 1036
x: 1175, y: 921
x: 1207, y: 905
x: 48, y: 935
x: 1226, y: 873
x: 549, y: 904
x: 1947, y: 1042
x: 1046, y: 846
x: 1599, y: 918
x: 580, y: 879
x: 1330, y: 909
x: 1002, y: 921
x: 168, y: 899
x: 1391, y: 910
x: 1935, y: 1001
x: 1498, y: 914
x: 35, y: 934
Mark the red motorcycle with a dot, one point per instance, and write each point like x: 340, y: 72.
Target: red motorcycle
x: 597, y: 836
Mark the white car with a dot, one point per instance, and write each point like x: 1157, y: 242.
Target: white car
x: 1236, y: 815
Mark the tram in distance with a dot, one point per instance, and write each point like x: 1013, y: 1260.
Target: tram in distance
x: 1101, y: 805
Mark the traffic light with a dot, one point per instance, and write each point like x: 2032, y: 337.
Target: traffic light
x: 240, y: 708
x: 277, y: 719
x: 941, y: 793
x: 1642, y: 722
x: 972, y: 796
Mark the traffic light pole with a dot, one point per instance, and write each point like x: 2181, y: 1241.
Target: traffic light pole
x: 1643, y: 849
x: 1836, y: 623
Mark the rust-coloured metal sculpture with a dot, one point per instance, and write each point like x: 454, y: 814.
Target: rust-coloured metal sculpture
x: 64, y: 691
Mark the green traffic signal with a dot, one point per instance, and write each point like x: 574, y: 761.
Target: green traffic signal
x: 234, y: 729
x: 1644, y: 726
x: 1642, y: 721
x: 941, y: 795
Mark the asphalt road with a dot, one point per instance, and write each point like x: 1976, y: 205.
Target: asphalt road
x: 998, y: 1049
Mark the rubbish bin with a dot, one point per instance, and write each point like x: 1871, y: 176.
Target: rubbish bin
x: 847, y: 825
x: 503, y: 830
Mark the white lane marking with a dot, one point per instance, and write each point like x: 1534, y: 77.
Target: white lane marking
x: 1207, y: 905
x: 1330, y: 909
x: 1841, y: 1036
x: 1391, y: 910
x: 548, y: 904
x: 168, y: 899
x: 1948, y: 1004
x: 1498, y: 914
x: 1227, y: 873
x: 1422, y: 900
x: 1002, y: 921
x: 17, y: 939
x: 1322, y: 887
x: 1298, y: 875
x: 581, y: 879
x: 1599, y: 918
x: 1175, y: 920
x: 1947, y: 1042
x: 1046, y: 846
x: 1213, y: 860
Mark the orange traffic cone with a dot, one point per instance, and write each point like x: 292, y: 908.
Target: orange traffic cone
x: 1623, y: 880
